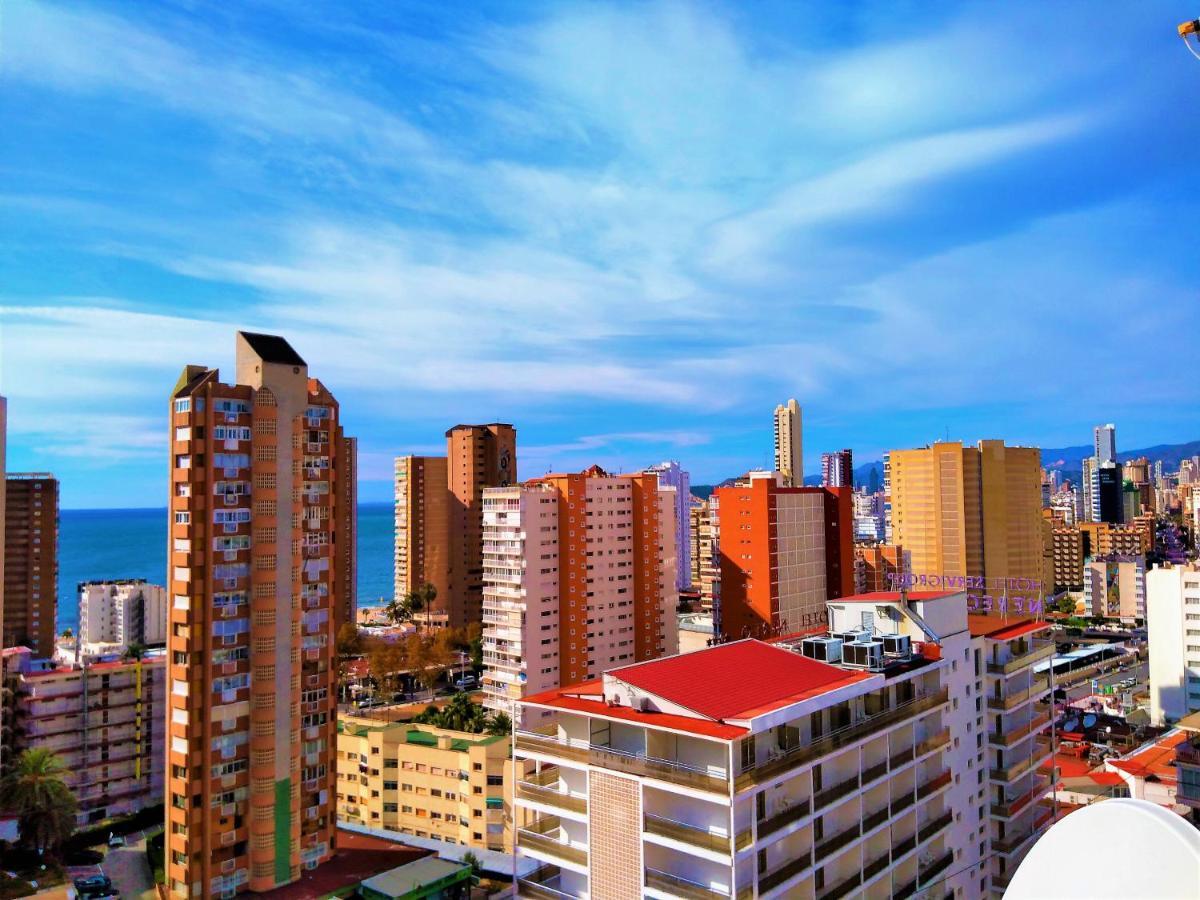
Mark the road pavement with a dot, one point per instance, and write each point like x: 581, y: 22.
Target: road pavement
x: 126, y: 866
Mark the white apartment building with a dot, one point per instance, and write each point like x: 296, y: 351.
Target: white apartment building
x: 579, y: 577
x: 1173, y: 640
x: 1114, y: 587
x: 115, y: 614
x: 855, y: 763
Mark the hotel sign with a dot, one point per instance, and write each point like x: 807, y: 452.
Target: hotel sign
x: 1019, y: 596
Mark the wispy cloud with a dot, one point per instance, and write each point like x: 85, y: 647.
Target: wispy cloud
x: 643, y: 223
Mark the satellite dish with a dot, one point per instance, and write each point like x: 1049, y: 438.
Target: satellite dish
x: 1159, y: 856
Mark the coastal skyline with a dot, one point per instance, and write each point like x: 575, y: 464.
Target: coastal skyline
x: 927, y: 224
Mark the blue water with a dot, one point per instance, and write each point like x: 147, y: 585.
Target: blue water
x: 103, y: 544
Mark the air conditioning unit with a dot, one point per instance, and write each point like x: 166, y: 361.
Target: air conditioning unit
x: 847, y: 637
x: 231, y: 499
x: 867, y: 655
x: 897, y: 644
x: 825, y: 649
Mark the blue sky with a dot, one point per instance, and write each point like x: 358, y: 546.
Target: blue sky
x: 629, y: 229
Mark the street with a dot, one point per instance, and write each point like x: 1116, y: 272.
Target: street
x: 126, y: 866
x: 1141, y: 671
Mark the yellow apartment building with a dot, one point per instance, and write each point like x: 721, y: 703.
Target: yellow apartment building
x: 970, y: 511
x: 434, y: 783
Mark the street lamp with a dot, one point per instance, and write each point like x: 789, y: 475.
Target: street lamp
x: 1191, y: 29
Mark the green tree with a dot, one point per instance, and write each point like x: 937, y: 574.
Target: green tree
x: 470, y: 859
x: 462, y: 714
x: 500, y: 723
x: 349, y: 642
x: 135, y: 650
x: 37, y: 793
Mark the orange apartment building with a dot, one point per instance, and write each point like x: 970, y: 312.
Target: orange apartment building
x: 258, y: 578
x: 784, y: 552
x: 478, y: 457
x: 879, y: 563
x: 31, y: 561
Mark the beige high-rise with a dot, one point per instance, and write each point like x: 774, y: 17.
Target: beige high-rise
x: 969, y: 511
x: 258, y: 545
x: 789, y: 443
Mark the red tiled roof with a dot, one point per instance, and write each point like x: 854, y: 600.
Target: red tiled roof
x: 1106, y: 777
x: 731, y: 681
x: 1157, y: 759
x: 894, y: 596
x: 1068, y: 766
x: 1001, y: 628
x: 561, y: 699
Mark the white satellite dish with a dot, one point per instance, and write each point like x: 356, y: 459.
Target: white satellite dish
x: 1146, y: 851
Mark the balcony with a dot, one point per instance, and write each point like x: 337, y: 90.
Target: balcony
x: 687, y: 834
x: 826, y: 848
x: 1019, y: 768
x: 537, y: 837
x: 830, y: 795
x: 1008, y: 738
x: 1040, y: 685
x: 836, y: 740
x: 1041, y: 650
x: 618, y: 760
x: 677, y: 886
x: 929, y: 829
x: 787, y: 816
x: 543, y: 884
x: 1010, y: 808
x: 550, y: 797
x: 1187, y: 754
x: 790, y: 869
x: 1013, y: 842
x: 926, y: 874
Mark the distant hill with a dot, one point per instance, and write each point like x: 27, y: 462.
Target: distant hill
x: 1067, y: 460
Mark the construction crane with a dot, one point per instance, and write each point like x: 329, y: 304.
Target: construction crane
x: 1191, y: 30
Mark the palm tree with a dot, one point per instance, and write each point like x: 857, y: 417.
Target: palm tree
x: 461, y: 714
x: 44, y: 805
x: 135, y: 650
x: 500, y: 723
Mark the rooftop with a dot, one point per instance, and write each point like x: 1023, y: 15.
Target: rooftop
x: 777, y: 677
x: 357, y: 858
x: 272, y: 348
x: 1003, y: 628
x: 894, y: 596
x: 411, y: 876
x: 1155, y: 759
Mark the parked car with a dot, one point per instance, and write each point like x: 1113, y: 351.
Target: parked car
x: 466, y: 682
x: 116, y: 840
x: 371, y: 702
x: 94, y: 886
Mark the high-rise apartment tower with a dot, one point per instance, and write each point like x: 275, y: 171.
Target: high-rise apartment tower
x: 31, y: 566
x: 478, y: 457
x: 789, y: 443
x: 258, y: 548
x: 968, y: 511
x: 837, y: 469
x: 422, y: 526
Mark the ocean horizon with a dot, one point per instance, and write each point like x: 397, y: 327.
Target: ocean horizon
x: 106, y: 544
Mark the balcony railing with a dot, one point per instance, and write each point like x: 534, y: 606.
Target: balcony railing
x: 1008, y: 738
x: 687, y: 834
x: 1188, y: 754
x: 621, y: 761
x: 793, y: 813
x: 790, y: 869
x: 677, y: 886
x: 1041, y: 650
x: 1040, y: 685
x: 550, y: 797
x: 838, y: 739
x: 537, y: 837
x: 832, y: 794
x: 926, y: 874
x: 543, y: 884
x: 830, y: 846
x: 929, y: 829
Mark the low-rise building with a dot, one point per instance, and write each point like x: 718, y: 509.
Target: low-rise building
x: 115, y: 614
x: 1114, y: 587
x: 104, y: 720
x: 431, y: 783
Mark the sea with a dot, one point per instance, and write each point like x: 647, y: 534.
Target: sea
x: 106, y: 544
